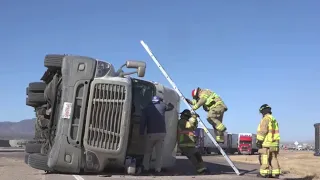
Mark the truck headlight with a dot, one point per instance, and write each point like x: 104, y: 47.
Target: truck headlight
x: 102, y: 69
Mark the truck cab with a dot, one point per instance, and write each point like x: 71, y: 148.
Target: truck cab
x: 95, y: 114
x: 247, y: 143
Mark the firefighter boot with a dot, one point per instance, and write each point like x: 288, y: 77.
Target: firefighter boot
x: 260, y: 176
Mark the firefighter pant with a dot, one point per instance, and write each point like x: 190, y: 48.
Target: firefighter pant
x: 269, y: 161
x: 195, y: 157
x: 153, y: 141
x: 215, y: 117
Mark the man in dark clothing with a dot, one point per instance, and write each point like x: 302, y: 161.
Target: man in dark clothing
x: 153, y: 118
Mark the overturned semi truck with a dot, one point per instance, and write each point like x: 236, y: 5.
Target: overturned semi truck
x: 88, y: 115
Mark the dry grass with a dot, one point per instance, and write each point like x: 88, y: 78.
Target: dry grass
x: 301, y: 163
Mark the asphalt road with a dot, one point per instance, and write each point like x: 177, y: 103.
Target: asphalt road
x: 183, y: 170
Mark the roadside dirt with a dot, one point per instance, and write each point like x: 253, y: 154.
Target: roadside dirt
x: 16, y: 169
x: 301, y: 163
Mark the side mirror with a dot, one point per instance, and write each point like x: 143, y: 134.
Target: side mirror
x: 135, y: 64
x: 141, y: 71
x: 139, y: 65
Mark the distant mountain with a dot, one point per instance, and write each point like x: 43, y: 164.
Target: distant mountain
x: 17, y: 130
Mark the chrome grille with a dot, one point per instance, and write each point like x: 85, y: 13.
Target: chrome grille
x: 106, y: 114
x: 244, y: 148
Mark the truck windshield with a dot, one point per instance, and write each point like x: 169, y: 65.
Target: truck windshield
x: 143, y: 91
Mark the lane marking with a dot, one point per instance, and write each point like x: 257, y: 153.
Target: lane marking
x: 77, y: 177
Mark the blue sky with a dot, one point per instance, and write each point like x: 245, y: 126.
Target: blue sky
x: 249, y: 52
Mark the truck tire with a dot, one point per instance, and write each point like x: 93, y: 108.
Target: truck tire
x: 39, y: 161
x: 53, y: 61
x: 37, y: 87
x: 36, y: 98
x: 32, y: 148
x: 31, y: 104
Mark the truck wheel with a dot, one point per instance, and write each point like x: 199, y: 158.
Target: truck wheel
x: 53, y: 61
x: 26, y: 157
x: 36, y: 98
x: 32, y: 148
x: 39, y: 161
x: 37, y: 87
x: 31, y: 104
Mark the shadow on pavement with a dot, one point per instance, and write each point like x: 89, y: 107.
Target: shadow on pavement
x: 303, y: 178
x: 184, y: 167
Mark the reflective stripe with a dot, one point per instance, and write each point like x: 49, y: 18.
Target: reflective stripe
x: 211, y: 99
x: 194, y: 101
x: 217, y: 103
x: 220, y: 127
x: 264, y: 172
x: 201, y: 170
x: 205, y: 93
x: 276, y: 172
x: 185, y: 132
x: 193, y: 120
x: 272, y: 137
x: 265, y: 164
x: 188, y: 125
x: 187, y: 145
x: 260, y: 138
x: 195, y: 107
x: 220, y: 138
x: 264, y: 159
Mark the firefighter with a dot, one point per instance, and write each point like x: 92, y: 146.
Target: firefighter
x: 268, y: 138
x: 213, y: 104
x: 186, y: 140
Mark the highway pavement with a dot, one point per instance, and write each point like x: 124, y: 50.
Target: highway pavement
x: 183, y: 170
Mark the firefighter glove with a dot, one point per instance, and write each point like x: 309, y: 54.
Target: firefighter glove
x: 259, y: 144
x: 195, y: 115
x: 189, y: 101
